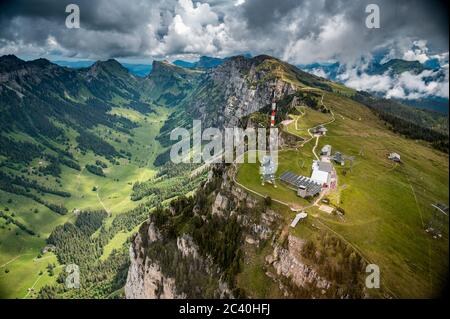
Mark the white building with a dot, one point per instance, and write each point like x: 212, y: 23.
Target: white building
x: 322, y: 172
x: 394, y: 157
x: 320, y: 130
x: 326, y: 150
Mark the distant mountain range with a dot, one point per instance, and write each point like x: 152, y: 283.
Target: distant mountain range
x: 137, y: 69
x: 143, y: 70
x: 204, y: 62
x: 97, y: 86
x: 331, y: 71
x: 54, y: 93
x: 394, y: 66
x: 397, y: 66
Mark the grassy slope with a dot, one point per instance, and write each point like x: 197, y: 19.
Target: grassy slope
x: 113, y: 190
x: 117, y: 242
x: 308, y: 119
x: 386, y: 205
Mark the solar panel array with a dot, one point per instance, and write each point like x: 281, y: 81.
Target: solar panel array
x: 298, y: 181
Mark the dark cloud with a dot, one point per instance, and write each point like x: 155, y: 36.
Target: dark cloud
x: 99, y: 15
x: 297, y: 30
x: 264, y: 14
x: 399, y: 18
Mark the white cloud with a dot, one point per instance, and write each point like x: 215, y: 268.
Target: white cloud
x: 195, y: 29
x: 419, y: 52
x: 365, y: 82
x: 318, y: 72
x: 404, y: 86
x: 331, y: 41
x: 196, y: 15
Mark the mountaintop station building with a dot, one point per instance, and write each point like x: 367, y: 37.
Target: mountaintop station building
x: 310, y: 186
x: 322, y: 172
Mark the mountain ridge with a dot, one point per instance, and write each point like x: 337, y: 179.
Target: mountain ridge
x: 168, y: 84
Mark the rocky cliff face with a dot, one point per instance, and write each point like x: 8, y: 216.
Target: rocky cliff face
x: 167, y: 266
x: 178, y: 259
x: 148, y: 279
x: 287, y: 262
x: 145, y: 279
x: 237, y: 88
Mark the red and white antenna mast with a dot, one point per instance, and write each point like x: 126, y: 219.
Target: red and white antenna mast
x: 274, y: 109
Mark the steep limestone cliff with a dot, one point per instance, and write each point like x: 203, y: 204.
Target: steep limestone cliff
x: 238, y: 88
x: 145, y: 279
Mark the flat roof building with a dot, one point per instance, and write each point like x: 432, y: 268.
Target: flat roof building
x: 306, y: 187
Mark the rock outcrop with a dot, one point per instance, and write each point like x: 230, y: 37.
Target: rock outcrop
x: 148, y: 280
x: 145, y: 279
x: 287, y: 263
x: 244, y: 86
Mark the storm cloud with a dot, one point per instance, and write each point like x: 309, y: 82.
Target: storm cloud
x: 299, y: 31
